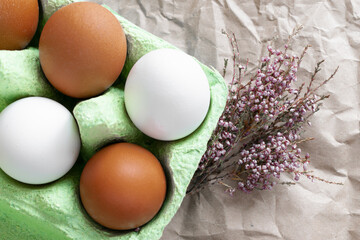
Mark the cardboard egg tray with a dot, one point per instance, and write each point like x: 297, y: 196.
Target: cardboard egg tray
x: 54, y: 210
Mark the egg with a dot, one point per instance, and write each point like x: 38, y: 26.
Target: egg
x: 18, y: 23
x: 39, y: 140
x: 122, y: 186
x: 82, y: 49
x: 167, y: 94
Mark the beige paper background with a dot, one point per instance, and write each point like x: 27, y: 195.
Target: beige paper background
x: 307, y: 210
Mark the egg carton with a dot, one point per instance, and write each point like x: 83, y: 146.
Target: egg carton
x: 54, y: 210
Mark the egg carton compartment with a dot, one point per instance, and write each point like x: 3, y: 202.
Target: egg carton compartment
x: 54, y: 210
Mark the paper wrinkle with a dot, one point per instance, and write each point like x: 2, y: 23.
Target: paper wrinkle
x: 243, y: 18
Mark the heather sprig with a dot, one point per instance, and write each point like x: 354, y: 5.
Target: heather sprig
x: 257, y: 136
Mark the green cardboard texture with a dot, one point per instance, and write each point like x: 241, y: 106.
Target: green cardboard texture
x: 54, y: 211
x: 21, y: 76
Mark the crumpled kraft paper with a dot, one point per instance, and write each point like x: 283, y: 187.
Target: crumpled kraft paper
x: 307, y: 210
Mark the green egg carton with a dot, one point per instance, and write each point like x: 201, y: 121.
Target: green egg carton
x: 54, y: 211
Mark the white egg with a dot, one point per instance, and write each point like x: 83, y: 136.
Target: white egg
x: 39, y: 140
x: 167, y: 94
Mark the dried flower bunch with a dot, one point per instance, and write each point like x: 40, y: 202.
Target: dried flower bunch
x: 257, y: 136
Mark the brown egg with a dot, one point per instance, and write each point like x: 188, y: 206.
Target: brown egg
x: 122, y: 186
x: 18, y: 23
x: 82, y: 49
